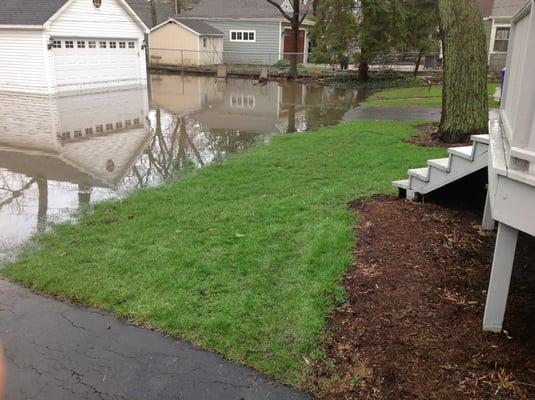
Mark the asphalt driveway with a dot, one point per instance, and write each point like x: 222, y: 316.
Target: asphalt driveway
x: 57, y: 351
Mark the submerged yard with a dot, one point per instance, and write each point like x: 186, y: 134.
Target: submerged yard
x: 244, y: 257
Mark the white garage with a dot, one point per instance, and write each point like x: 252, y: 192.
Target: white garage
x: 61, y: 45
x: 75, y: 59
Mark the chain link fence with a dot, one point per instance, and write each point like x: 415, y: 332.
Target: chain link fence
x: 252, y: 63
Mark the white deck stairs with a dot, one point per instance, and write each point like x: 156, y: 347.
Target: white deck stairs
x: 461, y: 162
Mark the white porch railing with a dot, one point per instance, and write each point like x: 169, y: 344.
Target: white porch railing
x: 519, y: 95
x: 511, y: 194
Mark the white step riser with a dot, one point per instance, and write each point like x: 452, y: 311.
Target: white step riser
x: 478, y: 149
x: 459, y: 168
x: 463, y: 162
x: 435, y: 175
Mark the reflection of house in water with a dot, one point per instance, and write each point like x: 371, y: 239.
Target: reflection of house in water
x: 49, y: 143
x: 233, y: 105
x: 90, y: 139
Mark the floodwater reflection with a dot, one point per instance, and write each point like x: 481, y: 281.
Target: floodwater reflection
x: 61, y: 153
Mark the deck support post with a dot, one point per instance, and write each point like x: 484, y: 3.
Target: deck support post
x: 500, y: 278
x: 488, y: 223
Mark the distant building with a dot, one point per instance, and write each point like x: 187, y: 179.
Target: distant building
x: 498, y: 27
x: 253, y: 31
x: 188, y: 42
x: 57, y: 45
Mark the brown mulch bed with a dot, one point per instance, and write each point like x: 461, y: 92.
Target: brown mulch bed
x: 426, y: 137
x: 411, y: 328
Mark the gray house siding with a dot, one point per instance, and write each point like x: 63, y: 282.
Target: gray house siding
x: 264, y: 51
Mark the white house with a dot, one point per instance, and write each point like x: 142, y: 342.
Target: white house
x: 511, y: 196
x: 56, y: 45
x: 509, y: 154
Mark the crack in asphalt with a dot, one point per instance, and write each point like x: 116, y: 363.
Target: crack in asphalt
x: 57, y: 351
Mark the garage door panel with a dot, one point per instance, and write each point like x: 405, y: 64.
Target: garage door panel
x: 82, y: 64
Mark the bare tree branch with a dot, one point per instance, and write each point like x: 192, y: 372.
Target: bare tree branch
x: 305, y: 14
x: 278, y: 6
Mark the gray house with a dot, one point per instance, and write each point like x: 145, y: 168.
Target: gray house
x: 498, y: 27
x: 254, y: 31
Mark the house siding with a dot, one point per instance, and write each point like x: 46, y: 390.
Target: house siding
x: 23, y: 65
x: 264, y: 51
x: 497, y: 60
x: 82, y: 19
x: 173, y: 44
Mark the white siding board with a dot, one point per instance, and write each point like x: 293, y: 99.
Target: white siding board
x: 82, y: 19
x: 23, y: 61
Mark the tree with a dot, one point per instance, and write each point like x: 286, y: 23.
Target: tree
x: 334, y: 33
x: 419, y: 29
x: 386, y: 25
x: 464, y: 95
x: 296, y: 18
x: 376, y: 19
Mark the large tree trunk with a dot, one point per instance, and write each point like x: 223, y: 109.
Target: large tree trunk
x: 464, y: 97
x: 364, y: 70
x: 295, y: 49
x: 295, y: 33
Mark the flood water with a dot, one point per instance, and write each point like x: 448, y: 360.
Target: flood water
x: 60, y: 153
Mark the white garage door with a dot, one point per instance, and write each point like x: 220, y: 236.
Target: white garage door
x: 90, y: 61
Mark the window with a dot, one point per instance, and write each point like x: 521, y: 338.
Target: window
x: 77, y: 133
x: 118, y: 125
x: 501, y: 40
x: 128, y: 123
x: 56, y: 44
x: 102, y: 45
x: 99, y: 128
x: 109, y: 127
x: 122, y: 45
x: 92, y: 44
x: 136, y: 121
x: 242, y: 101
x: 131, y: 45
x: 69, y: 44
x: 243, y: 36
x: 97, y: 3
x: 205, y: 43
x: 113, y: 45
x: 88, y: 131
x: 81, y: 44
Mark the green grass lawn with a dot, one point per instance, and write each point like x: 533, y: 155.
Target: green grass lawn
x: 418, y: 96
x: 243, y: 257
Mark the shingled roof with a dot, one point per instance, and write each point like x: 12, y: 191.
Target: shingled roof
x: 38, y: 12
x: 235, y: 9
x: 507, y: 8
x: 28, y: 12
x: 196, y: 25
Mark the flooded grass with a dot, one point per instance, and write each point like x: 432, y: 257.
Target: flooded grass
x: 243, y: 257
x: 418, y: 96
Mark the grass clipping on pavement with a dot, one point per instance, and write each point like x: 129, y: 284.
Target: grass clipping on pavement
x: 244, y: 257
